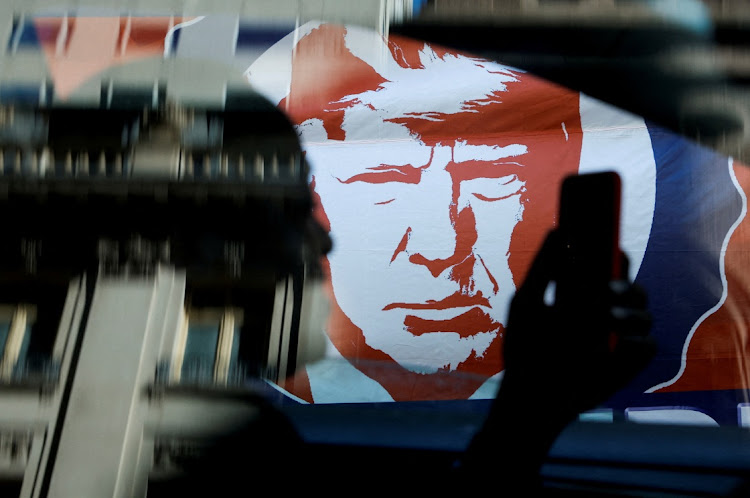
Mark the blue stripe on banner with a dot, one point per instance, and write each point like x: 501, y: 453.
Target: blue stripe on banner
x: 23, y: 35
x: 696, y: 204
x: 261, y: 35
x: 417, y: 6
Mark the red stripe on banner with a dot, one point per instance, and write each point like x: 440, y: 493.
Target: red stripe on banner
x: 76, y: 49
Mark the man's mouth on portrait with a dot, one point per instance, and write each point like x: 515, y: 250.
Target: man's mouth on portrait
x: 470, y: 315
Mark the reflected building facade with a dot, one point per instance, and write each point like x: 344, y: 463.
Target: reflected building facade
x: 138, y: 314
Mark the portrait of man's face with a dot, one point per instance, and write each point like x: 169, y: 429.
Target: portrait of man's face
x: 427, y: 230
x: 437, y: 175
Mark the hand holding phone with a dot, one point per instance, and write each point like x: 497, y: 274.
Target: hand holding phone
x: 594, y: 338
x: 560, y: 358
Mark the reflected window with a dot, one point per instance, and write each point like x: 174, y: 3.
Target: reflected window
x: 234, y: 355
x: 208, y: 347
x: 16, y: 324
x: 6, y: 313
x: 200, y: 348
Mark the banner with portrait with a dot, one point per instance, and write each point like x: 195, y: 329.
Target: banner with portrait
x: 437, y: 175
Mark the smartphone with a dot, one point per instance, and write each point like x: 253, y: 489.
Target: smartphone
x: 589, y: 224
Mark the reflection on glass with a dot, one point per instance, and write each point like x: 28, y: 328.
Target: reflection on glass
x: 200, y: 351
x: 235, y: 352
x: 4, y: 328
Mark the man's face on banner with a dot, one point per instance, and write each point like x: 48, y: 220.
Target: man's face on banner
x: 422, y: 237
x: 426, y: 182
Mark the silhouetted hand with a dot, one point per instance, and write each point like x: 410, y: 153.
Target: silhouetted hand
x: 560, y: 360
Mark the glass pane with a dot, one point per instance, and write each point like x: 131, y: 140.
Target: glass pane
x: 200, y: 352
x: 234, y: 367
x: 24, y: 366
x: 24, y: 352
x: 4, y: 328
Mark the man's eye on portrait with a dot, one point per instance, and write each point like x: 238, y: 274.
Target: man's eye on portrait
x: 387, y: 174
x: 496, y: 189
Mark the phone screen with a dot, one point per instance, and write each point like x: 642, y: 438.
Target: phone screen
x: 590, y: 227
